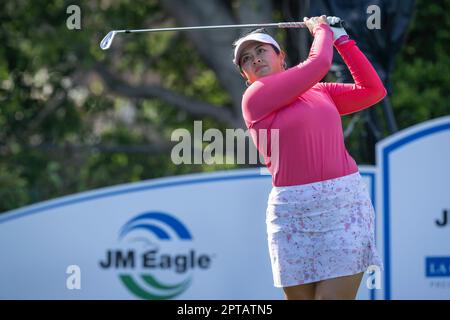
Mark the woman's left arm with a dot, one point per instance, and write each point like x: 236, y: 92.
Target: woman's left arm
x: 368, y: 88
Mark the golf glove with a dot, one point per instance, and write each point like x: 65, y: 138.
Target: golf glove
x: 336, y: 25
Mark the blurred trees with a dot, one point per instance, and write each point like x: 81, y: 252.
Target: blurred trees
x: 74, y: 117
x: 421, y: 79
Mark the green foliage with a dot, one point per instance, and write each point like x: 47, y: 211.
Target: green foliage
x: 421, y: 79
x: 54, y: 110
x: 49, y: 117
x: 13, y: 188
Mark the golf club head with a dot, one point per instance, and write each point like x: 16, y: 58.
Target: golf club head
x: 107, y: 40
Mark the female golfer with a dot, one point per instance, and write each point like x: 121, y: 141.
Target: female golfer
x: 320, y: 219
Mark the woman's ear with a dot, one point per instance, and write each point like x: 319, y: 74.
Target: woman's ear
x: 283, y: 57
x: 247, y: 83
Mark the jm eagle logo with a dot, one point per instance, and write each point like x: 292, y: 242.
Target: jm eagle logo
x: 155, y: 260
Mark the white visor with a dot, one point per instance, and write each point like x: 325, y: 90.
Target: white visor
x: 260, y: 37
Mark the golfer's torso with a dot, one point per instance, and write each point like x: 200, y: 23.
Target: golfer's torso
x: 311, y: 142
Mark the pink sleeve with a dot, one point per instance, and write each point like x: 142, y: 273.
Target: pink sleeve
x: 273, y: 92
x: 368, y: 88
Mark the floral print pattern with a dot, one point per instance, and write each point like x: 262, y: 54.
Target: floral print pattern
x: 320, y: 230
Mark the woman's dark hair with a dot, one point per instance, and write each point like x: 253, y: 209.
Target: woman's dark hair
x: 259, y: 30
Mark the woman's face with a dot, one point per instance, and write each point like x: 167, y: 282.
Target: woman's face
x: 260, y: 59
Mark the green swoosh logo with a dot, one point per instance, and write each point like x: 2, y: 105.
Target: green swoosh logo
x: 137, y: 290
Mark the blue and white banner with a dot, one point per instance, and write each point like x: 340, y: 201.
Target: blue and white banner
x: 200, y: 236
x: 203, y: 236
x: 413, y: 203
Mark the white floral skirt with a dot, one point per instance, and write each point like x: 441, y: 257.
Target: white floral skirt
x: 320, y: 230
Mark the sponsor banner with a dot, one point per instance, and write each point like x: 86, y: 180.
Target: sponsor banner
x: 413, y: 203
x: 200, y: 236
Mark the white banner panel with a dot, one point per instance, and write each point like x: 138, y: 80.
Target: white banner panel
x: 369, y: 174
x: 199, y: 236
x: 415, y: 180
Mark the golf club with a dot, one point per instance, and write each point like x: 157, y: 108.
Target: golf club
x: 108, y: 39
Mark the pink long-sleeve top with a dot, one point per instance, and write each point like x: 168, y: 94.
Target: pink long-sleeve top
x: 307, y: 112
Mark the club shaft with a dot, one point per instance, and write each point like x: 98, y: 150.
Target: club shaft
x: 230, y: 26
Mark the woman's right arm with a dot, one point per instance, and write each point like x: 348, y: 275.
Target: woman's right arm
x: 273, y: 92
